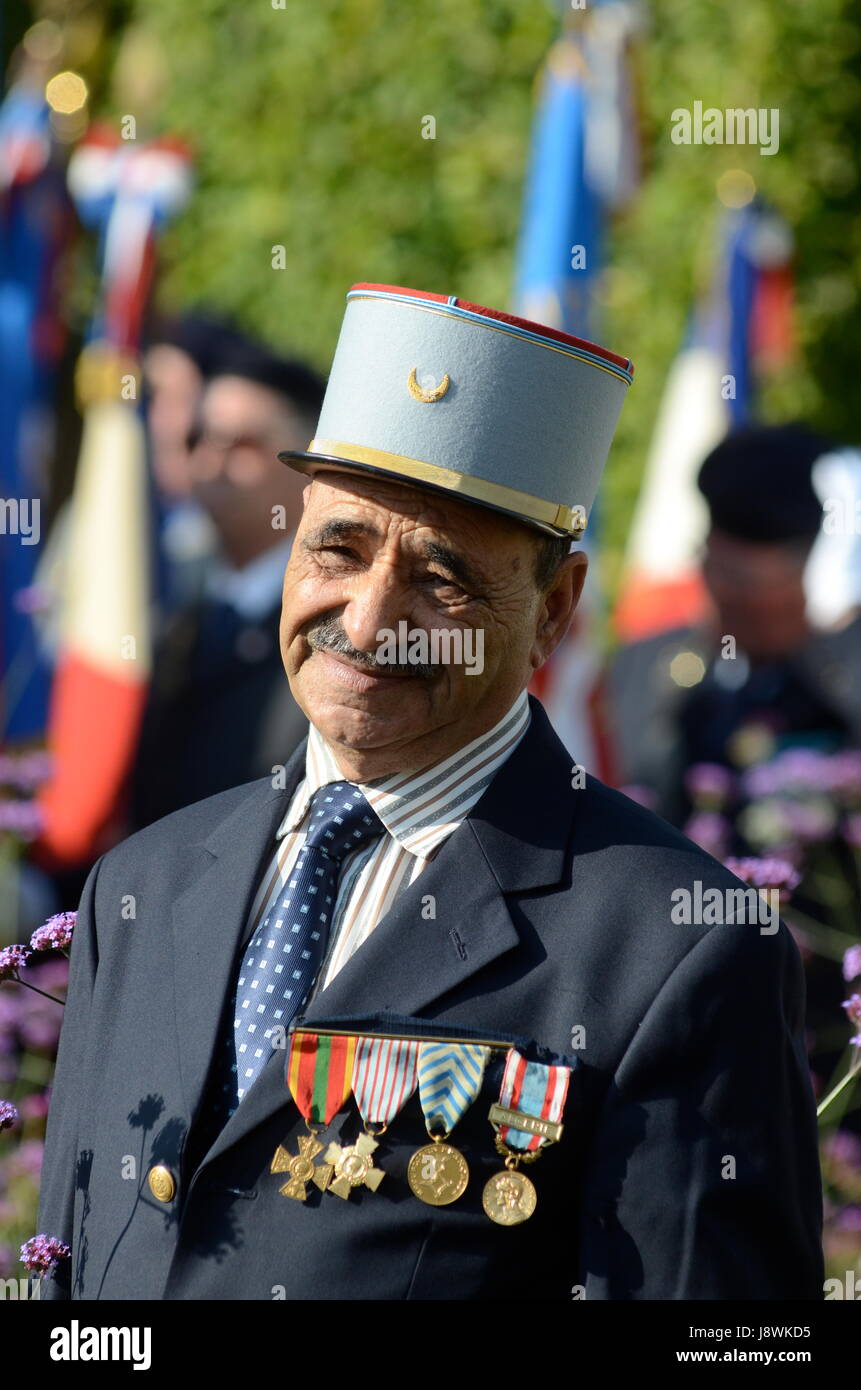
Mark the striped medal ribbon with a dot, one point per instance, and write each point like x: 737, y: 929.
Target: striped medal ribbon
x: 319, y: 1077
x: 384, y: 1077
x: 526, y: 1118
x: 449, y: 1078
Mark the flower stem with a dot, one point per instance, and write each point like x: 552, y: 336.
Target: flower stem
x: 832, y: 1095
x: 36, y: 990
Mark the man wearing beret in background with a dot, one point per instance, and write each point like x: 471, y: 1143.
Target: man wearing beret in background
x: 675, y: 699
x: 432, y: 870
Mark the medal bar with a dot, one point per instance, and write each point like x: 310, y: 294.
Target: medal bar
x: 496, y: 1045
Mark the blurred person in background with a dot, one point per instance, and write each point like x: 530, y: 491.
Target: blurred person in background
x: 218, y: 713
x: 756, y: 675
x: 183, y: 354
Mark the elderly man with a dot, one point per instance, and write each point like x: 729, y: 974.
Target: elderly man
x: 417, y: 1017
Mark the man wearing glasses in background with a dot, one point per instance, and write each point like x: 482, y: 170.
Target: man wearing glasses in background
x: 219, y: 711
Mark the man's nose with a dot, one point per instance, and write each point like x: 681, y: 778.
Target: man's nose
x: 205, y: 462
x: 377, y: 599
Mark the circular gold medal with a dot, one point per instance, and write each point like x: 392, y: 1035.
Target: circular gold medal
x: 509, y: 1198
x: 438, y: 1174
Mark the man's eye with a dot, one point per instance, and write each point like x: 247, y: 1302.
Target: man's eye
x: 442, y: 581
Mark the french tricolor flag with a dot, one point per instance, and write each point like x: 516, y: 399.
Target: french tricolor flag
x: 740, y: 328
x: 125, y: 190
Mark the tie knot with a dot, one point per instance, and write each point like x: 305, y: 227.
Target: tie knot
x: 341, y: 820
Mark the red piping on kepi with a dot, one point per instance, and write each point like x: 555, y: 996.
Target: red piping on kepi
x: 543, y: 329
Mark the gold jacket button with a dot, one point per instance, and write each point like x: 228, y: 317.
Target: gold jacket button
x: 161, y: 1183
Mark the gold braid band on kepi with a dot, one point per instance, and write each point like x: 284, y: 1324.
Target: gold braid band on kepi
x: 520, y: 504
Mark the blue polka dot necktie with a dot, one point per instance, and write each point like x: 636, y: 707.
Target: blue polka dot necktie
x: 285, y: 953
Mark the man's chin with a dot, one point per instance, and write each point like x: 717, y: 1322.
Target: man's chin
x: 352, y: 707
x: 358, y: 728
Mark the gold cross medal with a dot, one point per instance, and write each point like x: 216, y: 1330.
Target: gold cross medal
x: 353, y: 1166
x: 449, y: 1079
x: 384, y: 1078
x: 526, y: 1119
x: 319, y: 1076
x: 302, y: 1168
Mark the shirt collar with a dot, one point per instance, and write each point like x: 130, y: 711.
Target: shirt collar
x: 422, y: 809
x: 253, y: 589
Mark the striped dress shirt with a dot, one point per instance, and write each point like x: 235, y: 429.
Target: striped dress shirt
x: 419, y: 811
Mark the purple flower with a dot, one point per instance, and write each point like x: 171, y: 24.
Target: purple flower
x: 8, y: 1114
x: 709, y: 785
x: 798, y: 770
x: 852, y: 963
x: 24, y: 771
x: 766, y: 873
x: 710, y: 831
x: 13, y: 959
x: 43, y: 1252
x: 853, y: 1009
x: 848, y: 1219
x: 811, y: 821
x: 843, y: 1147
x: 56, y: 934
x: 803, y: 769
x: 35, y: 1106
x: 26, y: 1160
x: 22, y: 818
x: 761, y: 781
x: 32, y: 769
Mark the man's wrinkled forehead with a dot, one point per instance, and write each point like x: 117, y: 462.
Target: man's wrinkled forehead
x: 340, y: 505
x: 375, y: 512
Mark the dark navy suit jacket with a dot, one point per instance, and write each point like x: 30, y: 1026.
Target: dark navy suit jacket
x: 688, y: 1167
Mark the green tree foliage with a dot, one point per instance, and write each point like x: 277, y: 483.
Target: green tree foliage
x: 306, y: 122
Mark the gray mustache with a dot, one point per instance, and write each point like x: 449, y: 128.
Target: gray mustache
x: 329, y: 636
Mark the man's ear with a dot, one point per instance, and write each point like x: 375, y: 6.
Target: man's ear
x: 558, y: 606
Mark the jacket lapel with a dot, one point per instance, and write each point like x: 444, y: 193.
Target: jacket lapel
x: 510, y: 842
x: 210, y: 920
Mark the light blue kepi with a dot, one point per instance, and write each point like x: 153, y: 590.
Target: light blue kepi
x: 449, y: 395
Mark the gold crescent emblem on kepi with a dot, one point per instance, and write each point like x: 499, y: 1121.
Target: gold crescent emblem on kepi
x: 418, y: 393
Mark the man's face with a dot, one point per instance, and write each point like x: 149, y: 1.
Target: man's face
x: 175, y: 386
x: 236, y: 472
x: 369, y: 555
x: 758, y: 592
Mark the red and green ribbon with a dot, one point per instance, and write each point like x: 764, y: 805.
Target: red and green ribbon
x: 319, y: 1074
